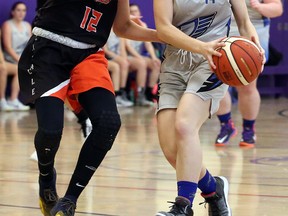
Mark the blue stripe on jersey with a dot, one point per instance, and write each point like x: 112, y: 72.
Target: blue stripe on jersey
x: 228, y: 27
x: 266, y: 21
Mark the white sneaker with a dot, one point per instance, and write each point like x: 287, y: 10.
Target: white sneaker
x: 4, y: 106
x: 17, y: 105
x: 121, y: 102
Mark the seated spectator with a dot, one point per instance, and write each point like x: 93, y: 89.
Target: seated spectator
x: 9, y: 69
x: 136, y: 49
x: 115, y: 71
x: 15, y: 34
x: 152, y: 63
x: 115, y: 53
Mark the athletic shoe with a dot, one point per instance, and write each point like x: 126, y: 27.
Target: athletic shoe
x: 227, y: 131
x: 122, y: 101
x: 86, y: 127
x: 4, y: 106
x: 17, y: 105
x: 218, y: 201
x: 248, y: 138
x: 48, y: 196
x: 142, y: 101
x: 181, y: 207
x: 64, y: 207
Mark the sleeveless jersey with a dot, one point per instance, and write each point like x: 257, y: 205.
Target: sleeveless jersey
x: 256, y: 18
x: 137, y: 45
x: 85, y: 21
x: 113, y: 43
x: 19, y: 39
x: 205, y: 20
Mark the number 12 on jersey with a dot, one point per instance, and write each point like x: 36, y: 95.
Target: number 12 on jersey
x: 90, y: 20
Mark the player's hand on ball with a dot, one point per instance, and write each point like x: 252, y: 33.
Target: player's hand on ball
x: 262, y: 51
x: 210, y: 49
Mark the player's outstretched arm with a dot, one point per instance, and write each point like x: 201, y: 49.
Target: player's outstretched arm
x: 125, y: 27
x: 244, y: 24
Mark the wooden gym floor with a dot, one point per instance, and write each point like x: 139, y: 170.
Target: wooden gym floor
x: 135, y: 179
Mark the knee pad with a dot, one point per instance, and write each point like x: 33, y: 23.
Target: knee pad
x: 47, y: 144
x: 105, y: 129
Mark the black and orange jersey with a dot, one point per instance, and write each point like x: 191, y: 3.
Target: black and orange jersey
x: 88, y: 21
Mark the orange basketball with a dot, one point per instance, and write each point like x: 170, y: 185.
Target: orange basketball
x: 240, y: 63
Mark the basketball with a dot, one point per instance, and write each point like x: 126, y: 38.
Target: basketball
x: 240, y: 63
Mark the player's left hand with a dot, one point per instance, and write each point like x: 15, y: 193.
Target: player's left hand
x: 262, y: 51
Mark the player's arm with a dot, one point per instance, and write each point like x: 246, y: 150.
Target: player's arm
x: 125, y: 27
x: 167, y: 32
x: 268, y: 8
x: 244, y: 24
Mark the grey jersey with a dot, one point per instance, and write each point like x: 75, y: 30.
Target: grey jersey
x: 137, y: 45
x: 113, y: 43
x: 205, y: 20
x: 256, y: 18
x: 19, y: 39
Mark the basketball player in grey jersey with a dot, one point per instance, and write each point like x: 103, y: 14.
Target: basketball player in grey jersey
x: 190, y: 92
x: 260, y: 12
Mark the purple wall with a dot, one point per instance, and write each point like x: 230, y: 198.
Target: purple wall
x: 146, y: 7
x: 279, y: 27
x: 5, y: 7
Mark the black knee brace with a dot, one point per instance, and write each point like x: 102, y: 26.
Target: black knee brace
x: 47, y: 143
x: 105, y: 129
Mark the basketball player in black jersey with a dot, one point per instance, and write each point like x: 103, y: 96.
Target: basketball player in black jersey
x: 63, y: 60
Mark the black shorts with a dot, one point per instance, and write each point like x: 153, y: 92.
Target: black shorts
x: 47, y: 68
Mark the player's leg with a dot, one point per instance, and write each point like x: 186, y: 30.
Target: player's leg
x: 227, y: 129
x: 186, y: 148
x: 249, y: 104
x: 50, y: 113
x: 100, y: 106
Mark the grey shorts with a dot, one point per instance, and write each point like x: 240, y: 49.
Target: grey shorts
x: 183, y: 72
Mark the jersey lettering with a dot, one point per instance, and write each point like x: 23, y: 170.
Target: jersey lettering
x: 92, y: 17
x: 208, y: 1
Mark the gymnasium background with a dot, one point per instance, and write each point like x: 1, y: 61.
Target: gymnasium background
x: 267, y: 83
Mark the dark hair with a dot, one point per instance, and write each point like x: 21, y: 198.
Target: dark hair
x: 14, y: 7
x: 133, y: 4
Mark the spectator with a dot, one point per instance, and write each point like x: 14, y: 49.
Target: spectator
x: 15, y: 34
x: 115, y: 53
x: 136, y: 49
x: 260, y: 12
